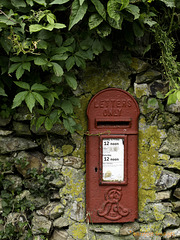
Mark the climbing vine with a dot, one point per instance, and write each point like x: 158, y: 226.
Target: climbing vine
x: 17, y: 199
x: 45, y: 43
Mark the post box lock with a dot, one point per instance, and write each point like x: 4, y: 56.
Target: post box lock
x: 111, y: 159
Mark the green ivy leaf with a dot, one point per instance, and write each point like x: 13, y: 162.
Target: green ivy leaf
x: 134, y: 10
x: 30, y: 2
x: 80, y: 62
x: 55, y: 95
x: 170, y: 92
x: 59, y: 57
x: 100, y: 8
x: 49, y: 96
x: 124, y: 3
x: 22, y: 85
x: 48, y: 124
x: 172, y: 98
x: 89, y: 54
x: 82, y: 54
x: 69, y: 124
x: 115, y: 18
x: 16, y: 59
x: 113, y: 8
x: 68, y: 41
x: 104, y: 30
x: 40, y: 122
x: 30, y: 101
x: 4, y: 20
x: 38, y: 87
x: 116, y: 24
x: 57, y: 69
x: 41, y: 2
x: 150, y: 22
x: 49, y: 27
x: 169, y: 3
x: 19, y: 72
x: 94, y: 20
x: 59, y: 2
x: 42, y: 44
x: 13, y: 67
x: 97, y: 47
x: 54, y: 116
x: 81, y: 2
x: 26, y: 66
x: 67, y: 106
x: 51, y: 18
x: 59, y: 25
x: 77, y: 12
x: 75, y: 101
x: 70, y: 63
x: 19, y: 98
x: 35, y: 28
x: 56, y: 79
x: 6, y: 45
x: 38, y: 98
x: 58, y: 40
x: 19, y: 3
x: 87, y: 43
x: 40, y: 61
x: 71, y: 80
x: 2, y: 92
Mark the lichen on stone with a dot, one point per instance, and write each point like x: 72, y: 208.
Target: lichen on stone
x: 78, y: 231
x: 155, y: 227
x: 141, y: 90
x: 150, y: 139
x: 67, y: 149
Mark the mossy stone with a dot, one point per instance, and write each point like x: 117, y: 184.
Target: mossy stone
x: 78, y: 231
x: 139, y: 65
x: 21, y: 128
x: 75, y: 183
x: 99, y: 79
x: 67, y: 149
x: 141, y: 90
x: 81, y: 112
x: 165, y: 120
x: 150, y: 139
x: 148, y: 76
x: 171, y: 144
x: 106, y: 228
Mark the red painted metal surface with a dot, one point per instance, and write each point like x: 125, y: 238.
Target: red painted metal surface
x: 113, y: 119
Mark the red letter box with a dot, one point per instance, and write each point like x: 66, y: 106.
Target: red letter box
x: 112, y: 157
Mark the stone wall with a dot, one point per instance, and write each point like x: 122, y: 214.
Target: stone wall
x: 60, y: 213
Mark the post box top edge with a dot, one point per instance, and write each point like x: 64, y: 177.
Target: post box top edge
x: 113, y: 89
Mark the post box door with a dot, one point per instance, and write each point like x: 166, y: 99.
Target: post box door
x: 112, y: 157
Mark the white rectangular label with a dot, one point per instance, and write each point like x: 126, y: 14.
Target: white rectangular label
x: 113, y: 159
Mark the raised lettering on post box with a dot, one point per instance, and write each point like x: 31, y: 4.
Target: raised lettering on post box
x: 112, y: 157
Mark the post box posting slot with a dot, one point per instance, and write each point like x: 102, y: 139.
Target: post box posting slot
x: 120, y: 123
x: 112, y: 157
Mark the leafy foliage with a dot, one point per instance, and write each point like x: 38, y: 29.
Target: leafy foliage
x: 170, y: 63
x: 45, y: 43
